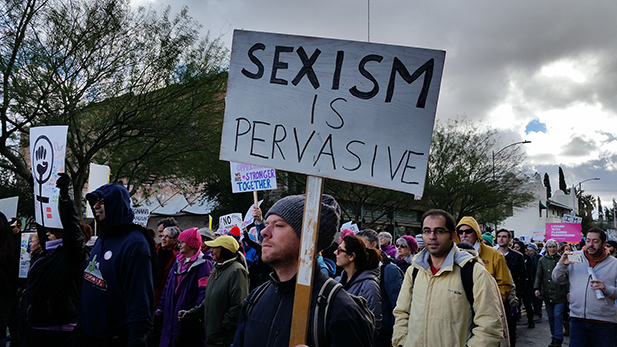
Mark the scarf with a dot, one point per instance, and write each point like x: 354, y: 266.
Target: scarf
x: 593, y: 262
x: 50, y: 246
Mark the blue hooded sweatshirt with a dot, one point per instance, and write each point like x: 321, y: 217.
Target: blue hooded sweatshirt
x: 118, y: 292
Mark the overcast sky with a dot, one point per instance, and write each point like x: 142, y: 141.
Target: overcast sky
x: 543, y: 71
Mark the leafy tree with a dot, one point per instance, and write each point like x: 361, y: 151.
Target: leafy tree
x: 586, y: 205
x: 13, y: 185
x: 462, y: 179
x: 140, y: 91
x: 609, y: 217
x: 562, y: 182
x: 547, y: 184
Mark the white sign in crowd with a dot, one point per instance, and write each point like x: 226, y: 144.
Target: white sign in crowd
x: 249, y: 178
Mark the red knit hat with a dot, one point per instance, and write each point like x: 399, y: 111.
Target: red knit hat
x: 235, y: 232
x: 191, y: 237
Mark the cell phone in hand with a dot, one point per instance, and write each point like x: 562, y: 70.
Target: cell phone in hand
x: 575, y: 258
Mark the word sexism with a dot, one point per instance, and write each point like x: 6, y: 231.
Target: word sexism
x: 398, y: 68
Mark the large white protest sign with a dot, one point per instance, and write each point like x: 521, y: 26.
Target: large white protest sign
x: 249, y: 178
x: 99, y: 175
x: 47, y: 153
x: 141, y: 216
x: 352, y: 111
x: 8, y: 207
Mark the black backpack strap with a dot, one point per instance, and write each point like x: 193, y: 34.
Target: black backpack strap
x: 252, y: 298
x: 320, y: 319
x: 467, y: 279
x: 414, y: 274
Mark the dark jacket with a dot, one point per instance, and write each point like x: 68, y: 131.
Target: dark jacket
x: 391, y: 280
x: 166, y: 259
x: 269, y: 322
x: 228, y: 285
x: 118, y: 290
x: 190, y: 293
x: 516, y: 265
x: 366, y: 284
x: 549, y: 290
x: 54, y: 279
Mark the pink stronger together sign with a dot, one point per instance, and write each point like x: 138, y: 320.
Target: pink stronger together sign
x: 563, y: 232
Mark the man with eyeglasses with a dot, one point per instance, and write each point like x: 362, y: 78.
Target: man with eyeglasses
x: 432, y: 307
x: 117, y: 302
x: 468, y: 231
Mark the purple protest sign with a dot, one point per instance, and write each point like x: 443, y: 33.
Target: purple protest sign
x: 563, y: 232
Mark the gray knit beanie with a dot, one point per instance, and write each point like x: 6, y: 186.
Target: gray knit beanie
x: 291, y: 209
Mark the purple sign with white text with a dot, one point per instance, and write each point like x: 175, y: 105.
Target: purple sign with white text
x: 563, y: 232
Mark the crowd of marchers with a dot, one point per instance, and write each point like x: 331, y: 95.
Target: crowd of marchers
x: 450, y: 285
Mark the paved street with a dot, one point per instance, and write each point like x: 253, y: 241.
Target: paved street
x: 539, y: 336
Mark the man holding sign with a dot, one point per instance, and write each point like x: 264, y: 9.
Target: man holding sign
x: 265, y: 319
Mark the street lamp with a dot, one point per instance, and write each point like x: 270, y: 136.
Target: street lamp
x: 580, y: 192
x: 495, y: 154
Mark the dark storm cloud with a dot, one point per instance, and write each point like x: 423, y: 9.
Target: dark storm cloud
x: 579, y: 147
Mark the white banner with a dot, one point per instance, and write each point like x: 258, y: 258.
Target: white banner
x: 24, y: 254
x: 229, y: 221
x: 8, y: 207
x: 99, y: 175
x: 353, y: 111
x: 47, y: 153
x: 248, y: 178
x: 141, y: 216
x: 248, y: 217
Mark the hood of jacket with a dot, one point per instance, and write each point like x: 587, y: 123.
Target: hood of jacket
x: 455, y: 256
x: 117, y: 204
x: 472, y: 223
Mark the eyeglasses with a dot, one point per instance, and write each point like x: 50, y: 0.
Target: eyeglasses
x: 465, y: 231
x: 340, y: 250
x: 437, y: 231
x: 166, y: 237
x: 401, y: 246
x: 100, y: 201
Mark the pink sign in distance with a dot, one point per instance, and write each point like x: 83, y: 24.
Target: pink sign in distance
x: 563, y: 232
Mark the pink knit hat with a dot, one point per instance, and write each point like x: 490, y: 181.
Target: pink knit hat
x: 346, y: 232
x: 191, y: 237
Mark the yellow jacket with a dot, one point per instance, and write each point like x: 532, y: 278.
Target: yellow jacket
x: 434, y: 310
x: 493, y: 260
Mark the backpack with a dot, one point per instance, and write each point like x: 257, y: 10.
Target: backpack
x: 320, y: 318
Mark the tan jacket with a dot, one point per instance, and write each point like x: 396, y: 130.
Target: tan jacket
x: 493, y: 260
x: 434, y: 310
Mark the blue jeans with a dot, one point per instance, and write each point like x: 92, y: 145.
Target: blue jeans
x: 591, y: 334
x: 555, y: 319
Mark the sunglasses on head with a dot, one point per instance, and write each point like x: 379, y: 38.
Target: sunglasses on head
x: 466, y: 231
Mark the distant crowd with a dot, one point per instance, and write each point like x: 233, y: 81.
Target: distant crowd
x: 450, y: 285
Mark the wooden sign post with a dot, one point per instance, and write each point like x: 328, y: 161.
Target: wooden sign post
x: 310, y: 233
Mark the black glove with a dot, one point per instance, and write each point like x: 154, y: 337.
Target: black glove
x: 63, y: 183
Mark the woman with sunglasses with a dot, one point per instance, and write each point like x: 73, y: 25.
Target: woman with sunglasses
x: 360, y: 274
x: 185, y: 289
x: 407, y: 247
